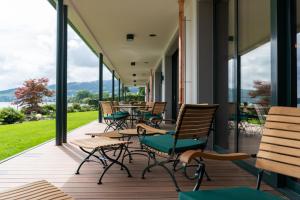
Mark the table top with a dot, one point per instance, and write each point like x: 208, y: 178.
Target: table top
x: 129, y: 106
x: 132, y: 132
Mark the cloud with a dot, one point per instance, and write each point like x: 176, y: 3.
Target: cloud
x: 28, y: 46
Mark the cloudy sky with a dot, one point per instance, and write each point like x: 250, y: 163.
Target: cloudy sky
x: 28, y: 43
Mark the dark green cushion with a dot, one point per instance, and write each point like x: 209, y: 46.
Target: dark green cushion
x: 122, y: 113
x: 148, y: 115
x: 240, y: 193
x: 114, y: 116
x: 165, y: 143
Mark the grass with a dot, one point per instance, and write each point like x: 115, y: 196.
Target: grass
x: 16, y: 138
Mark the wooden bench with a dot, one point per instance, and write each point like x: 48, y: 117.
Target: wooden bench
x: 40, y: 190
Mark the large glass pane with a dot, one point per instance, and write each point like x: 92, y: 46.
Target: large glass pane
x: 255, y: 59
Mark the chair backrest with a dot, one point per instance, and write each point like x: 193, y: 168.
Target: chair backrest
x: 116, y: 103
x: 106, y: 107
x: 261, y: 112
x: 195, y: 120
x: 279, y: 149
x: 149, y: 105
x: 158, y: 108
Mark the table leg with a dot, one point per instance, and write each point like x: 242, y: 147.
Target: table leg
x: 113, y: 161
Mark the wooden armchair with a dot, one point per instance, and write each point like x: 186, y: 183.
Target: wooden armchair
x: 193, y: 126
x: 278, y: 152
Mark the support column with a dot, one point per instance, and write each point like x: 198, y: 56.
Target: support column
x: 181, y: 52
x: 65, y: 75
x: 100, y: 86
x: 283, y: 52
x: 59, y: 71
x: 113, y: 85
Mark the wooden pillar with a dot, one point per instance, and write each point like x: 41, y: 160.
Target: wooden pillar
x: 146, y: 93
x: 181, y: 40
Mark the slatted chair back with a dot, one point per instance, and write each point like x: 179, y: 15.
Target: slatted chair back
x: 116, y: 103
x: 149, y: 105
x: 279, y: 149
x: 195, y: 120
x: 158, y: 108
x: 106, y: 107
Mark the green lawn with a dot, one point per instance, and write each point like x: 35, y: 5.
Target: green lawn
x: 15, y: 138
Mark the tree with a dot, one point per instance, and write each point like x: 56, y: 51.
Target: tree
x: 82, y: 94
x: 141, y: 91
x: 31, y: 94
x: 262, y: 90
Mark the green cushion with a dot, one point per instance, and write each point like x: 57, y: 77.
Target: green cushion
x: 122, y: 113
x: 165, y: 143
x: 148, y: 115
x: 114, y: 116
x: 240, y: 193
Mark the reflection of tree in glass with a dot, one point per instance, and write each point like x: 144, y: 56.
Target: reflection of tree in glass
x: 262, y: 92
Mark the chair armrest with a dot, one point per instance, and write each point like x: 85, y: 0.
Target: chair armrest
x: 151, y: 129
x: 187, y: 156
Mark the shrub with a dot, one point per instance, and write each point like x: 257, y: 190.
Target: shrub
x: 76, y: 107
x: 10, y: 116
x: 48, y: 109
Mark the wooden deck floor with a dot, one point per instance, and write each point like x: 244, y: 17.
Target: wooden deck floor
x: 57, y: 165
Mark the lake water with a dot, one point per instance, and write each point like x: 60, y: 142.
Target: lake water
x: 9, y: 104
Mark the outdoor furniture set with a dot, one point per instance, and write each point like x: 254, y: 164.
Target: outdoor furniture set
x: 278, y: 152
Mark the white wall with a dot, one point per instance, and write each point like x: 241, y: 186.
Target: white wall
x: 191, y: 59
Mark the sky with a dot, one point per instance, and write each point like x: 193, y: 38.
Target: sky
x: 28, y: 49
x: 28, y: 46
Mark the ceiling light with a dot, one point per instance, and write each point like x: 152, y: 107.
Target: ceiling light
x: 130, y: 37
x: 133, y: 74
x: 134, y: 81
x: 132, y: 63
x: 152, y: 35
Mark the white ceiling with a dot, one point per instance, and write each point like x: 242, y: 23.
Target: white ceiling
x: 105, y: 23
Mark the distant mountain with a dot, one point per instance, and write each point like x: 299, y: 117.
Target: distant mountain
x: 73, y: 87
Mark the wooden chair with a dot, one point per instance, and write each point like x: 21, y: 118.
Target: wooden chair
x: 278, y: 152
x: 193, y: 126
x: 113, y: 119
x: 154, y: 116
x: 39, y: 190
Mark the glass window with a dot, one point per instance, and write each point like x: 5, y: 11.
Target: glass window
x: 255, y: 61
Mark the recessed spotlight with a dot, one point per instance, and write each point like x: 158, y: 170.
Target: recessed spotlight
x: 152, y: 35
x: 133, y: 74
x: 132, y: 63
x: 134, y: 81
x: 130, y: 37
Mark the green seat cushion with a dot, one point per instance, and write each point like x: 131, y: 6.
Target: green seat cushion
x: 114, y: 116
x: 122, y: 113
x: 148, y: 115
x: 165, y: 143
x: 240, y: 193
